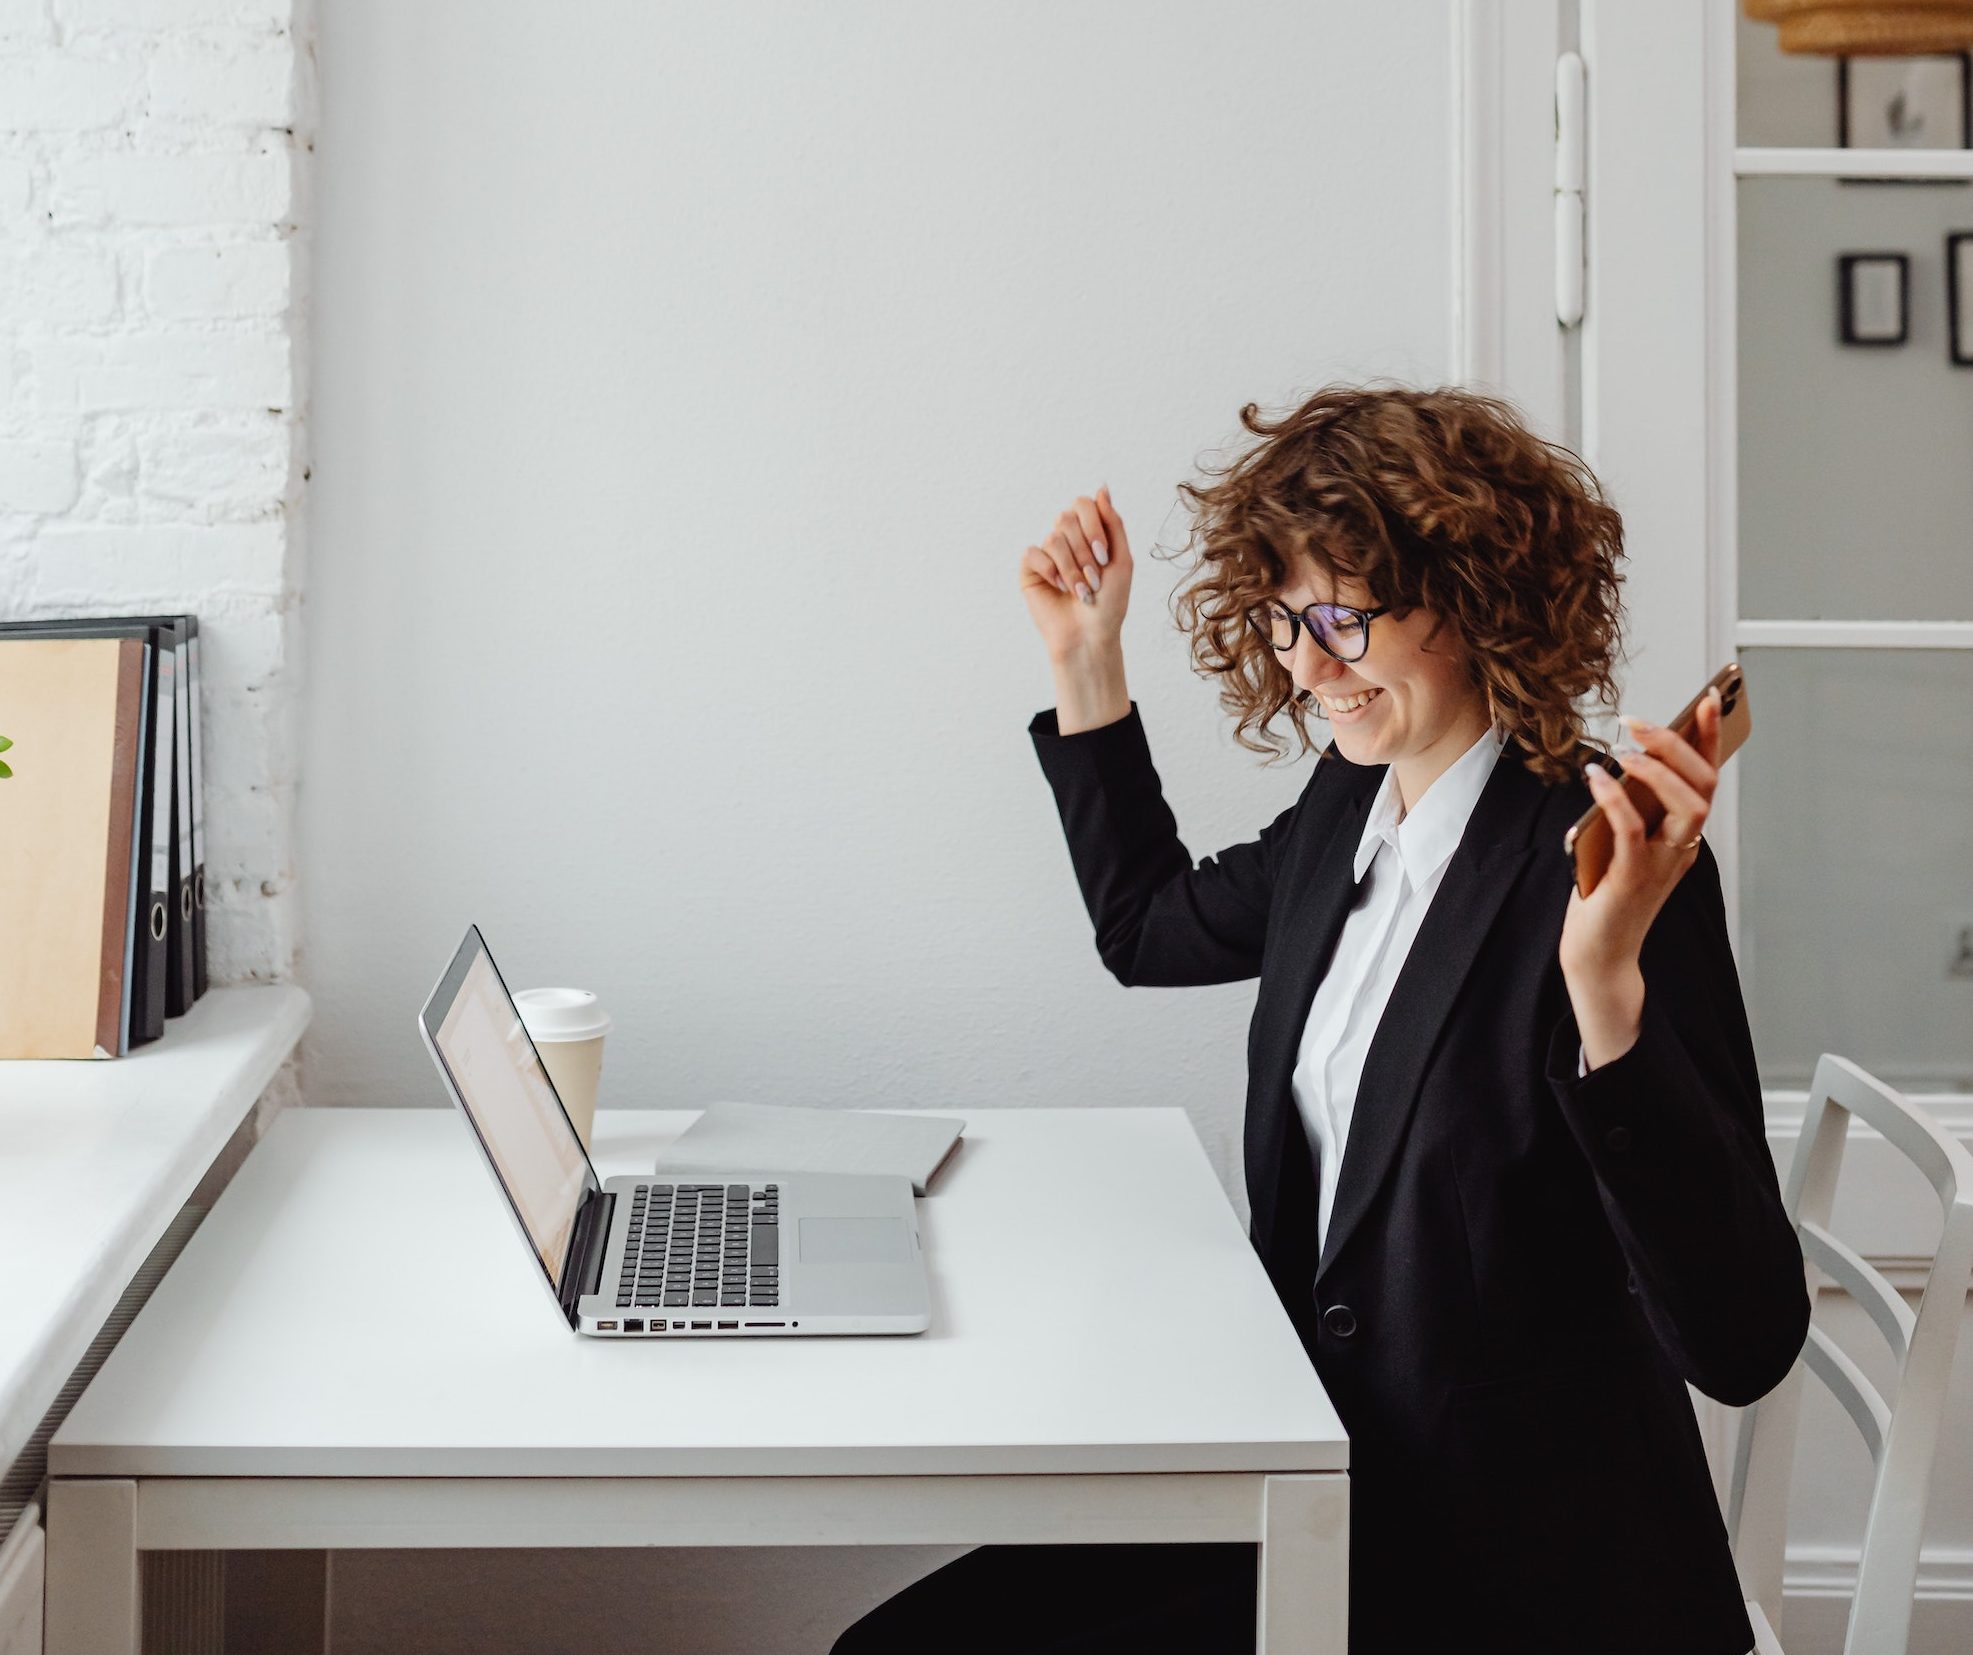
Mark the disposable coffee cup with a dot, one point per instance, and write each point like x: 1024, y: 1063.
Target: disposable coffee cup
x: 567, y: 1027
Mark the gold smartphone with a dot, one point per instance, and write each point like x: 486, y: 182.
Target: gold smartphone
x: 1591, y: 843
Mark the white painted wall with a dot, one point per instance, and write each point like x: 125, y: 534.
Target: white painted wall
x: 690, y: 381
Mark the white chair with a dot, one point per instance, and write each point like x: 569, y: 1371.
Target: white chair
x: 1901, y: 1434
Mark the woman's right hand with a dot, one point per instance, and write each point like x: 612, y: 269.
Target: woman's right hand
x: 1086, y: 552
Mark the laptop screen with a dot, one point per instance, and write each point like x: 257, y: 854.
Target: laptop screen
x: 498, y: 1079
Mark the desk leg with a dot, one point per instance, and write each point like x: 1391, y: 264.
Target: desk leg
x: 1304, y: 1566
x: 92, y: 1567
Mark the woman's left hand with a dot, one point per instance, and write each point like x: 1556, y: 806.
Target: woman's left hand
x: 1603, y: 934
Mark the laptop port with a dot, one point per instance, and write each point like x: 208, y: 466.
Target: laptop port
x: 606, y: 1327
x: 633, y: 1324
x: 697, y: 1326
x: 729, y: 1324
x: 767, y: 1324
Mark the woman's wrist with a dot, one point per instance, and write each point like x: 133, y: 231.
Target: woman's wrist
x: 1609, y: 1008
x: 1089, y: 687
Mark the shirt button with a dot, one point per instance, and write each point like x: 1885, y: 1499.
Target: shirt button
x: 1630, y: 1284
x: 1618, y: 1138
x: 1340, y: 1320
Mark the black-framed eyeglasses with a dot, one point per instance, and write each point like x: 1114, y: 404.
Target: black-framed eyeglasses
x: 1342, y: 631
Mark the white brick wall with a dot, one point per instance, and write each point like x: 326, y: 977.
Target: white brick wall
x: 152, y: 329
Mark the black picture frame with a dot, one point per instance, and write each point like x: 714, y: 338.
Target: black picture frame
x: 1845, y: 123
x: 1959, y: 298
x: 1854, y: 331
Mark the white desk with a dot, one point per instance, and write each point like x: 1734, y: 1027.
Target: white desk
x: 1106, y: 1362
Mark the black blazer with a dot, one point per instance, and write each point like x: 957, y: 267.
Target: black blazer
x: 1522, y: 1266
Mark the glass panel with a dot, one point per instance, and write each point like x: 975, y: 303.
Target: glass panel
x: 1856, y: 863
x: 1856, y: 487
x: 1794, y: 100
x: 1785, y: 100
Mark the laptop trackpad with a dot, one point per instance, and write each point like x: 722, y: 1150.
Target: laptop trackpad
x: 854, y: 1241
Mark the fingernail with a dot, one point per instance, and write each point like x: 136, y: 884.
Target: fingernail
x: 1084, y: 593
x: 1102, y: 552
x: 1095, y: 580
x: 1642, y: 726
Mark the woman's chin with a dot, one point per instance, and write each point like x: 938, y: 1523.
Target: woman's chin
x: 1356, y: 744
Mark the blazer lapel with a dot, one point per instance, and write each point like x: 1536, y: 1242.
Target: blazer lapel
x: 1326, y: 886
x: 1483, y: 870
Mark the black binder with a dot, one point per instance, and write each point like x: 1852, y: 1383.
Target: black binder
x: 194, y: 706
x: 178, y: 989
x: 149, y: 935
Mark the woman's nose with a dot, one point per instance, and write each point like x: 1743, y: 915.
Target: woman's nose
x: 1313, y: 664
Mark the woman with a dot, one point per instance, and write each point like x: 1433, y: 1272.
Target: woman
x: 1504, y: 1145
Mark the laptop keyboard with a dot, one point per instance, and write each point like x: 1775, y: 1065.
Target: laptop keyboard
x: 702, y: 1245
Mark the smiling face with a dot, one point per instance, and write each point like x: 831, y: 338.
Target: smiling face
x: 1410, y: 702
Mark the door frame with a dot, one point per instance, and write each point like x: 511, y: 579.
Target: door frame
x: 1644, y: 391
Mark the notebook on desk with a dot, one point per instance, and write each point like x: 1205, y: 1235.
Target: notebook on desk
x: 753, y: 1135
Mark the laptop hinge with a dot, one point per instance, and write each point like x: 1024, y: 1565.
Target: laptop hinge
x: 586, y: 1249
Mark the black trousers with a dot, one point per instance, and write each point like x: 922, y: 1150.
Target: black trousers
x: 1194, y: 1599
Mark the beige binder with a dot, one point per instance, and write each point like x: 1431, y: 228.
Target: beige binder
x: 74, y: 708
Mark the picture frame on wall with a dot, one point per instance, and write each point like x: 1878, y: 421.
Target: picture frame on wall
x: 1874, y: 297
x: 1959, y: 298
x: 1905, y: 102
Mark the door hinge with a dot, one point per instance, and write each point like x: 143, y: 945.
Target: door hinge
x: 1571, y: 140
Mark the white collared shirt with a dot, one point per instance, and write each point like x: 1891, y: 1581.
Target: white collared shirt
x: 1400, y: 859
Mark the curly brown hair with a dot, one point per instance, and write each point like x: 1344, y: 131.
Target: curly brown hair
x: 1436, y: 499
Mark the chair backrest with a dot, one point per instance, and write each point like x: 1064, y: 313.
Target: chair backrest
x: 1901, y: 1433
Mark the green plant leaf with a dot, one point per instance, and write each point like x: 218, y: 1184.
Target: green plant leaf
x: 4, y: 744
x: 5, y: 772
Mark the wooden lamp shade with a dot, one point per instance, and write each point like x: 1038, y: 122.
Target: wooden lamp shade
x: 1868, y: 28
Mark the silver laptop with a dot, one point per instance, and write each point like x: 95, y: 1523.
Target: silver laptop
x: 693, y: 1257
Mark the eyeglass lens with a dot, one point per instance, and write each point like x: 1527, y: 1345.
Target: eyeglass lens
x: 1343, y: 632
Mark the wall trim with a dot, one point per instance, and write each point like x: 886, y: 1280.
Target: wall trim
x: 1478, y: 280
x: 1787, y: 1109
x: 1504, y: 336
x: 1945, y: 1573
x: 1875, y: 1207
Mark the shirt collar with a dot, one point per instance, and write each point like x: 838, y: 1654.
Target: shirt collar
x: 1430, y: 831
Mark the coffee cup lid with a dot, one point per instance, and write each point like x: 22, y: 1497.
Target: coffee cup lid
x: 561, y: 1013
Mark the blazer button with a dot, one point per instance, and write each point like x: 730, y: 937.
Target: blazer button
x: 1618, y: 1138
x: 1630, y: 1284
x: 1340, y: 1320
